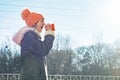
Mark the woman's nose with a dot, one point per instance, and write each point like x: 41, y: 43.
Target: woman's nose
x: 43, y: 23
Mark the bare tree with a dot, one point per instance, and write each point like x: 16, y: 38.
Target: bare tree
x: 61, y: 42
x: 60, y: 57
x: 9, y: 58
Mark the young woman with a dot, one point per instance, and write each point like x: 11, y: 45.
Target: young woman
x: 33, y: 50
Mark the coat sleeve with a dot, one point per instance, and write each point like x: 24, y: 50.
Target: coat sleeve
x: 35, y: 45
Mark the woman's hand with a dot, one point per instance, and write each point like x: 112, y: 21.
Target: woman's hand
x: 47, y: 27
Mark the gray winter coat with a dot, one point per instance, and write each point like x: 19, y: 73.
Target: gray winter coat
x: 33, y: 52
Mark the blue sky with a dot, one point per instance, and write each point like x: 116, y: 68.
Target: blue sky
x: 85, y: 21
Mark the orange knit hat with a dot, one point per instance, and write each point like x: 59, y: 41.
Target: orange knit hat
x: 31, y: 17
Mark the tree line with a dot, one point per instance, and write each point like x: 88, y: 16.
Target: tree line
x: 98, y: 59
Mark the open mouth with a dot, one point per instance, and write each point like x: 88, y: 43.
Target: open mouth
x: 41, y: 27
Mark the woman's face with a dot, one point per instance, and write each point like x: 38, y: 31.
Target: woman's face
x: 39, y: 25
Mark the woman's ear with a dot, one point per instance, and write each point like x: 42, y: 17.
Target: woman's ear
x: 34, y: 25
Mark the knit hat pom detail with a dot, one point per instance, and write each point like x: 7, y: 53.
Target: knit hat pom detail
x: 25, y: 14
x: 31, y: 18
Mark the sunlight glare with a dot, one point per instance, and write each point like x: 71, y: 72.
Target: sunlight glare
x: 112, y: 12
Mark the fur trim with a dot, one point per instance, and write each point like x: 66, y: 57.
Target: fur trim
x: 50, y: 32
x: 38, y: 34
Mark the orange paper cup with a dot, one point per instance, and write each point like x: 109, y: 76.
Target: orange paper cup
x: 52, y: 27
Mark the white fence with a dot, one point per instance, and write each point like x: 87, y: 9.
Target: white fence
x: 63, y: 77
